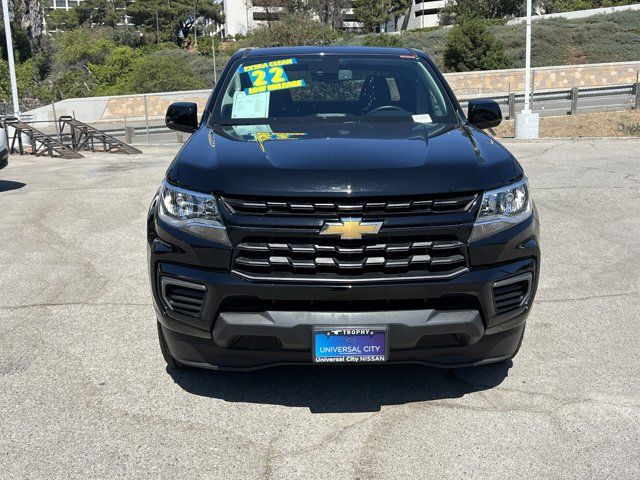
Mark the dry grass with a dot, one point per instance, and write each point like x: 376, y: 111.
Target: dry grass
x: 601, y: 124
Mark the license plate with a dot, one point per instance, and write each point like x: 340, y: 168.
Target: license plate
x: 349, y: 345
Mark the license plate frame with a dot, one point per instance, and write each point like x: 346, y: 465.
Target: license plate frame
x: 367, y: 338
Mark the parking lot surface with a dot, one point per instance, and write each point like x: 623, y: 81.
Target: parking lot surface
x: 84, y: 392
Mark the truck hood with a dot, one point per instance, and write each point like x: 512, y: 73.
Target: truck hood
x: 338, y: 159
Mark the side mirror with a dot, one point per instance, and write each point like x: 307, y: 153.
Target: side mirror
x: 484, y: 113
x: 182, y: 116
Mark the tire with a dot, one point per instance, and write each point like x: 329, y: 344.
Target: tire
x: 164, y: 348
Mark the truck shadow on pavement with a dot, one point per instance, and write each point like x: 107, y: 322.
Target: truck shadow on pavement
x: 7, y: 185
x: 329, y: 389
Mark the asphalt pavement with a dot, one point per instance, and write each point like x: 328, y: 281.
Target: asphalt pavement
x: 84, y: 392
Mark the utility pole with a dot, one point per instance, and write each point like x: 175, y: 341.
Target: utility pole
x: 195, y: 21
x: 527, y: 122
x: 12, y: 66
x: 527, y: 62
x: 157, y: 27
x: 246, y: 9
x: 213, y: 51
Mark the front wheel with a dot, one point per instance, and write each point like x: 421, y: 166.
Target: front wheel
x: 164, y: 348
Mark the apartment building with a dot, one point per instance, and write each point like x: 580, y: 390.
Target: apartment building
x: 241, y: 16
x: 62, y: 4
x: 422, y: 13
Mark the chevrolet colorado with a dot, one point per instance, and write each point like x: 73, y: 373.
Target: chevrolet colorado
x: 335, y: 205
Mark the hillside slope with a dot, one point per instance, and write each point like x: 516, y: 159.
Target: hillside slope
x: 598, y: 39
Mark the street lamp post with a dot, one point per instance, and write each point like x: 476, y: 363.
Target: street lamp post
x: 12, y: 66
x: 527, y: 123
x: 213, y: 51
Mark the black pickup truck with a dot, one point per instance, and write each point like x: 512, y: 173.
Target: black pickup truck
x: 336, y: 205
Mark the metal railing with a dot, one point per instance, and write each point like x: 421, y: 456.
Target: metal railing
x: 628, y: 96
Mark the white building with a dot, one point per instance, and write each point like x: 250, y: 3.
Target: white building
x: 63, y: 4
x: 423, y: 13
x: 242, y: 16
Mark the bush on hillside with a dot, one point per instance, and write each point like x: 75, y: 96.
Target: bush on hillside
x: 470, y: 46
x: 382, y: 40
x: 292, y: 29
x: 457, y: 11
x: 164, y: 71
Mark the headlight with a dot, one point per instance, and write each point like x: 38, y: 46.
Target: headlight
x: 193, y: 212
x: 502, y: 209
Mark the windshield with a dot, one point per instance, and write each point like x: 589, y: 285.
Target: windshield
x: 334, y: 88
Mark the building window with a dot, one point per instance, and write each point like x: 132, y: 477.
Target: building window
x: 266, y: 3
x: 429, y: 11
x: 264, y: 16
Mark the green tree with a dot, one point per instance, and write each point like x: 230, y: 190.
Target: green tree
x: 204, y: 45
x: 169, y: 14
x: 456, y: 11
x: 374, y: 13
x: 21, y: 44
x: 330, y: 12
x: 292, y: 29
x: 111, y: 76
x: 72, y: 83
x: 382, y: 40
x: 100, y: 12
x: 60, y: 19
x: 75, y: 51
x: 79, y: 47
x: 556, y: 6
x: 470, y: 46
x: 164, y: 71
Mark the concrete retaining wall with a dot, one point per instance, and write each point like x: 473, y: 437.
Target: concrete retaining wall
x: 119, y: 107
x: 470, y: 84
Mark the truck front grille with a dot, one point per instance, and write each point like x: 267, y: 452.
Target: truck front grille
x: 453, y: 203
x: 355, y: 260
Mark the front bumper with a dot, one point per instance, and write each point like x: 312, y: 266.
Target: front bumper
x: 247, y: 324
x: 440, y: 336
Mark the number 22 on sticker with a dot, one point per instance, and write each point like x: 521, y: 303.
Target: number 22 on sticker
x: 260, y: 78
x: 277, y: 75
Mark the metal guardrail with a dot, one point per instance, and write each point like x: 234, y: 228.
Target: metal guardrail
x: 566, y: 94
x: 570, y: 94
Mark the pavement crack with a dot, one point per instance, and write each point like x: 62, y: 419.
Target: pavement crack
x: 73, y: 304
x: 577, y: 299
x: 272, y: 457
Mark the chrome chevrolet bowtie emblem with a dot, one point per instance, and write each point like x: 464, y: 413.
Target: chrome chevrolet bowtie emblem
x: 351, y: 228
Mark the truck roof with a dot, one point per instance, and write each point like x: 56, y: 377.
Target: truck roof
x: 341, y: 50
